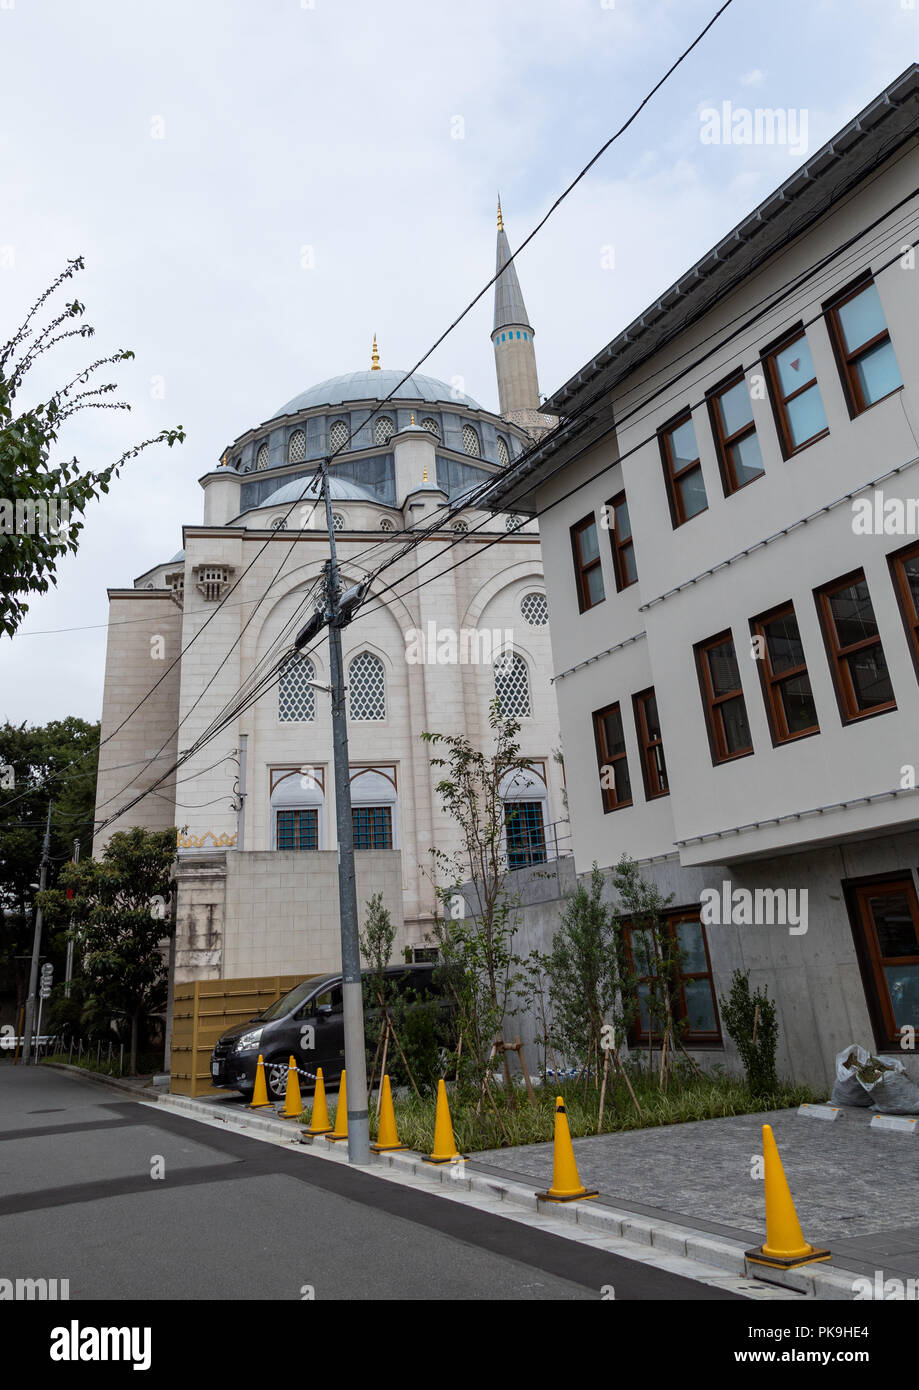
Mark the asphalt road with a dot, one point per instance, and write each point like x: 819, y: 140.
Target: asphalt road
x: 233, y: 1218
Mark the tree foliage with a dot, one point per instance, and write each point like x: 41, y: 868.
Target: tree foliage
x: 120, y: 915
x: 750, y: 1020
x: 28, y: 558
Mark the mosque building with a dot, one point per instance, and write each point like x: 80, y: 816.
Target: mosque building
x: 256, y: 878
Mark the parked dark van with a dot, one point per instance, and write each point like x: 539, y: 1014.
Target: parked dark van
x: 280, y: 1032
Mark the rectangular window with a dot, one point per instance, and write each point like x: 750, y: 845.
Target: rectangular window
x: 885, y: 920
x: 735, y: 434
x: 647, y: 725
x: 854, y: 648
x: 786, y: 685
x: 620, y: 535
x: 683, y: 470
x: 693, y: 991
x: 372, y: 826
x: 526, y: 833
x: 796, y: 399
x: 298, y: 829
x: 904, y: 569
x: 722, y: 696
x: 588, y: 572
x: 864, y: 352
x: 615, y: 783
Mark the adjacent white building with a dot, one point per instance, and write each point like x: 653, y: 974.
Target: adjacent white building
x: 728, y: 513
x: 257, y: 865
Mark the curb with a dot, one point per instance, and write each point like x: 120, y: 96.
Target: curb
x: 817, y: 1281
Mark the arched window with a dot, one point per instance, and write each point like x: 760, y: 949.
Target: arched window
x: 373, y: 809
x: 470, y: 442
x: 525, y: 817
x: 383, y: 429
x: 261, y: 458
x: 387, y: 525
x: 431, y: 426
x: 338, y: 521
x: 534, y: 609
x: 503, y: 454
x: 461, y: 527
x: 513, y: 522
x: 296, y: 810
x: 296, y: 698
x: 338, y: 435
x: 366, y: 687
x: 512, y: 685
x: 296, y: 447
x: 278, y: 523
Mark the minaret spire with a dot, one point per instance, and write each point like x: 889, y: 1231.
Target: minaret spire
x: 375, y: 356
x: 512, y: 337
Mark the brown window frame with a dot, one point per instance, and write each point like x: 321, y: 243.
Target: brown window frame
x: 619, y: 547
x: 672, y: 919
x: 672, y: 476
x: 771, y: 682
x: 838, y: 656
x: 650, y: 774
x: 606, y: 759
x: 909, y: 610
x: 868, y: 952
x: 724, y: 442
x: 845, y: 360
x: 711, y: 701
x: 582, y: 569
x: 780, y: 401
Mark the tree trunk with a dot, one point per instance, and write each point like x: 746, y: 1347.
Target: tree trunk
x: 133, y: 1062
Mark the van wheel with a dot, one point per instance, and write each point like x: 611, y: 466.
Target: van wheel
x: 276, y: 1079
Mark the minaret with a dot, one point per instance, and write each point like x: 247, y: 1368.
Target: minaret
x: 515, y: 356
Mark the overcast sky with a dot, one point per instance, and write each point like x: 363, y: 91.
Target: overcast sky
x: 191, y: 149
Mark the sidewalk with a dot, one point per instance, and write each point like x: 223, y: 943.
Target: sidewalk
x: 855, y: 1188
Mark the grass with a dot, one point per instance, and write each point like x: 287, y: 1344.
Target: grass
x: 688, y: 1098
x: 147, y: 1062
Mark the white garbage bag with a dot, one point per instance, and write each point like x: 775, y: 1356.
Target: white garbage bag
x: 848, y: 1089
x: 862, y: 1079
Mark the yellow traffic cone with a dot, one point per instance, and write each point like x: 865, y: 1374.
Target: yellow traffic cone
x: 293, y: 1105
x: 566, y: 1185
x: 260, y: 1090
x: 784, y: 1246
x: 445, y: 1150
x: 387, y: 1135
x: 341, y: 1114
x: 319, y: 1120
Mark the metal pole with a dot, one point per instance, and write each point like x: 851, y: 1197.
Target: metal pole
x: 36, y: 945
x: 121, y: 1060
x: 38, y: 1030
x: 352, y: 991
x: 68, y: 968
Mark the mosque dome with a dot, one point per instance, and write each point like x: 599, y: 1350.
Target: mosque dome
x: 375, y: 385
x: 341, y: 489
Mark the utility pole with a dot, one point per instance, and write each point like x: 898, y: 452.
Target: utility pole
x: 337, y: 614
x: 36, y: 945
x: 68, y: 967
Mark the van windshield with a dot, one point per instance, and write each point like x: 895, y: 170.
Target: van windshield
x: 288, y: 1002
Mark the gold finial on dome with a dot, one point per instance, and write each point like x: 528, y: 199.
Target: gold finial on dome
x: 375, y: 356
x: 500, y: 218
x: 412, y: 421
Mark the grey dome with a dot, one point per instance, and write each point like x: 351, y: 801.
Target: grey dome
x: 341, y: 490
x: 376, y: 386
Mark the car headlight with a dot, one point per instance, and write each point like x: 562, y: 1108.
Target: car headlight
x: 249, y: 1040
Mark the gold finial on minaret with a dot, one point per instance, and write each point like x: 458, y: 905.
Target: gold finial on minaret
x: 500, y: 218
x: 375, y: 356
x: 425, y: 477
x: 412, y: 420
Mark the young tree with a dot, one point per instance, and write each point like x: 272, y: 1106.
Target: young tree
x: 38, y: 499
x: 656, y: 955
x: 750, y: 1019
x: 586, y: 967
x: 120, y: 915
x: 479, y: 967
